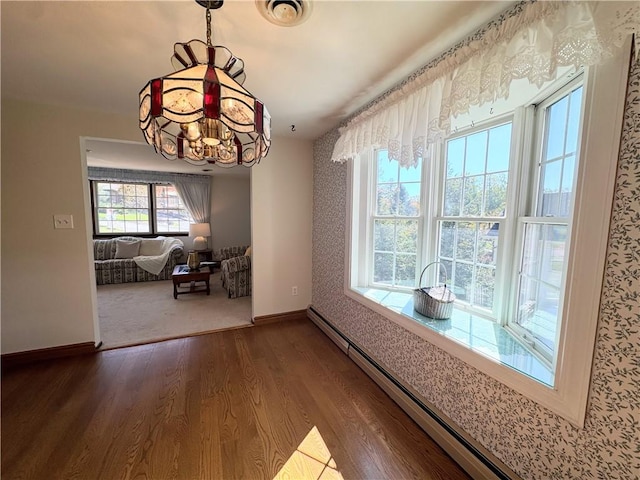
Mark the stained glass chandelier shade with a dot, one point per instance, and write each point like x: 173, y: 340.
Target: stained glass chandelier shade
x: 201, y: 113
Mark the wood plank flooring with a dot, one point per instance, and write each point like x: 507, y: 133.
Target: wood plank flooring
x: 271, y: 402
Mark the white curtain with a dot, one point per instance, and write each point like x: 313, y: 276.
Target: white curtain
x: 196, y: 196
x: 532, y: 42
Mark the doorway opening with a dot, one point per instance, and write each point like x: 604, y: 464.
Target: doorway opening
x: 134, y: 304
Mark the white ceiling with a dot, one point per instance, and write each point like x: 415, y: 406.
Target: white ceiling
x: 98, y: 55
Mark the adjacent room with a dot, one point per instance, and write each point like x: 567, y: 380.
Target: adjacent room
x: 313, y: 239
x: 147, y: 217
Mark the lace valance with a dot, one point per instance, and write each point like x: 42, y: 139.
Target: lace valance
x: 532, y: 41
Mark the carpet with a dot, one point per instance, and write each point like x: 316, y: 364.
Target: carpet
x: 145, y: 312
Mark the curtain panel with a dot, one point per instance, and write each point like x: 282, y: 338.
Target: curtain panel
x: 530, y: 41
x: 196, y: 198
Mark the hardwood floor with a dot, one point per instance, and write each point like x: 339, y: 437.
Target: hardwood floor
x: 276, y: 401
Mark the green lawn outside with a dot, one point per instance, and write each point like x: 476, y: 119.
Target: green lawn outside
x: 127, y: 216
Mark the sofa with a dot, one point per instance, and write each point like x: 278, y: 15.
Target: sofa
x: 235, y: 267
x: 114, y: 258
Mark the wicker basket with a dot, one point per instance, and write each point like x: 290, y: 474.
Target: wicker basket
x: 434, y: 302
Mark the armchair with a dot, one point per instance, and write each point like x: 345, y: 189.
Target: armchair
x: 236, y: 272
x: 229, y: 252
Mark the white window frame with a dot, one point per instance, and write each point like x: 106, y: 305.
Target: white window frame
x: 527, y: 205
x: 97, y: 208
x: 437, y: 201
x: 154, y: 194
x: 151, y: 208
x: 373, y: 215
x: 603, y: 108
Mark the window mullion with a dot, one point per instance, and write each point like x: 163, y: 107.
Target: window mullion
x: 395, y: 252
x: 523, y: 159
x: 395, y: 228
x: 432, y: 199
x: 474, y: 267
x: 152, y: 217
x: 371, y: 215
x: 94, y: 204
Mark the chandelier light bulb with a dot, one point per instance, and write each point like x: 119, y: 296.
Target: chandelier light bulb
x: 191, y: 131
x: 210, y: 129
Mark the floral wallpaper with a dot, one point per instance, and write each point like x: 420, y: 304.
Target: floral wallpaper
x: 534, y: 442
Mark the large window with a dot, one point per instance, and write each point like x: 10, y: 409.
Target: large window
x: 545, y: 229
x: 516, y: 208
x: 481, y: 205
x: 137, y: 208
x: 171, y: 216
x: 122, y: 208
x: 395, y: 223
x: 474, y: 204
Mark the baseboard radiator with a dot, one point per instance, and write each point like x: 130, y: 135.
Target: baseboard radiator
x: 478, y: 462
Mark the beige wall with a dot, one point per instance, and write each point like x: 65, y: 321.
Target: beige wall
x: 48, y: 298
x: 47, y: 290
x: 281, y: 212
x: 230, y: 211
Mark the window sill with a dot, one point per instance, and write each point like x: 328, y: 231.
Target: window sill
x: 475, y: 333
x: 106, y: 236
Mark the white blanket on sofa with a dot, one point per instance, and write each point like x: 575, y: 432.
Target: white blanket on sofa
x: 155, y: 263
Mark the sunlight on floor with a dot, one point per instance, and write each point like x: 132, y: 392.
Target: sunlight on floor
x: 311, y: 461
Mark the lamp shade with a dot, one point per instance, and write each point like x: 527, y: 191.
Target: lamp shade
x: 199, y: 230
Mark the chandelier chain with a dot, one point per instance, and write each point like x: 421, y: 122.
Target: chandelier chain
x: 208, y: 26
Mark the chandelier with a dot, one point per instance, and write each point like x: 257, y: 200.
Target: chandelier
x: 201, y: 113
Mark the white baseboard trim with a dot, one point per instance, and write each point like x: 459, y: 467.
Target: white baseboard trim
x: 476, y: 460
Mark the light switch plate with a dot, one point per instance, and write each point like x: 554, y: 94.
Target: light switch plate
x: 63, y: 221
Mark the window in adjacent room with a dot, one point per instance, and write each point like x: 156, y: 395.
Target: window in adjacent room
x: 171, y: 216
x: 138, y: 209
x: 122, y: 207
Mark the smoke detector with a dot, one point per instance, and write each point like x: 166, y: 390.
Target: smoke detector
x: 285, y: 13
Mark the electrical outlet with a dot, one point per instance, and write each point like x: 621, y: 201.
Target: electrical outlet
x: 294, y: 291
x: 62, y: 221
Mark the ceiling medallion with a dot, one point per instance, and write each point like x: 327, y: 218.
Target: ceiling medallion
x: 201, y: 113
x: 285, y: 13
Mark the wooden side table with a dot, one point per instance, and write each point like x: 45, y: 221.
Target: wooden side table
x: 205, y: 255
x: 195, y: 278
x: 212, y: 265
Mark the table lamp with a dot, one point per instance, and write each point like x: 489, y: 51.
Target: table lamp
x: 199, y: 231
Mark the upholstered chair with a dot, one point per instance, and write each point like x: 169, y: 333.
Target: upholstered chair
x: 236, y: 272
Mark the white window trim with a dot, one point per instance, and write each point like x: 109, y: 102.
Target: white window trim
x: 154, y: 216
x: 97, y: 207
x: 604, y: 93
x: 437, y: 200
x: 152, y: 209
x: 527, y: 201
x: 372, y: 216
